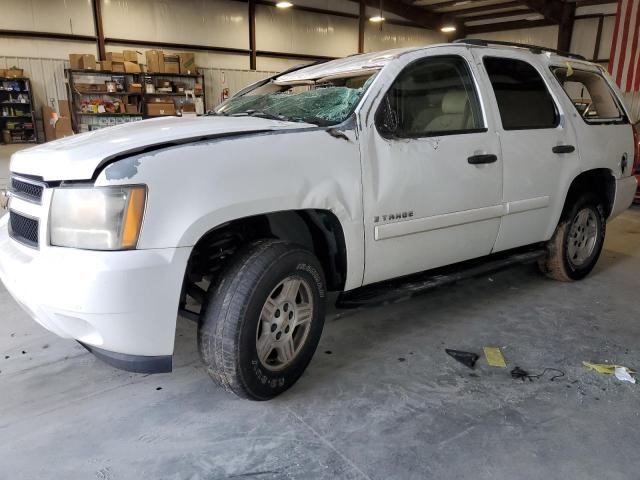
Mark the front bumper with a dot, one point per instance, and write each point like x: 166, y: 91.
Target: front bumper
x: 119, y: 303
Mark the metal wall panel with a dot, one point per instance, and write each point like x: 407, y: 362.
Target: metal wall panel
x: 607, y: 37
x: 295, y: 31
x: 583, y: 39
x: 543, y: 36
x: 36, y: 47
x: 216, y: 80
x: 278, y: 64
x: 216, y: 23
x: 59, y: 16
x: 398, y: 36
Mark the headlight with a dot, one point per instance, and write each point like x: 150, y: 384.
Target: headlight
x: 97, y: 218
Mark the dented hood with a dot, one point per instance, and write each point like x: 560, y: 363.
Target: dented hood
x: 77, y: 157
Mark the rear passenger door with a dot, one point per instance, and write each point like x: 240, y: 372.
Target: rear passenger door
x: 538, y: 145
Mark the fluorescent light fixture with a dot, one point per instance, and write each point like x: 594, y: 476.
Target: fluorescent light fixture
x: 284, y: 4
x: 448, y: 29
x: 459, y: 4
x: 377, y: 19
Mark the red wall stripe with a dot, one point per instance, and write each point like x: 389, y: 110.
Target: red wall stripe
x: 623, y: 44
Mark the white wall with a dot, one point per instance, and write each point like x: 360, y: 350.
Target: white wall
x: 543, y: 36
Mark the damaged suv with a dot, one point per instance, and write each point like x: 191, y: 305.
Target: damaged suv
x: 332, y: 177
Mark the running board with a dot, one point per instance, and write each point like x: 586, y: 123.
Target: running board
x: 406, y: 287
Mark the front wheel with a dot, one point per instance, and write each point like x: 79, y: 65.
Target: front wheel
x: 263, y: 320
x: 575, y: 246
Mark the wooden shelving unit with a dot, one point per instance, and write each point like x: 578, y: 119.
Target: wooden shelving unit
x: 17, y: 118
x: 85, y: 118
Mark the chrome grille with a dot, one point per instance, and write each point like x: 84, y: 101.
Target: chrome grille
x: 27, y: 189
x: 24, y: 229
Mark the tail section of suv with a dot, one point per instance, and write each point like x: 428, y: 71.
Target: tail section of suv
x: 331, y: 177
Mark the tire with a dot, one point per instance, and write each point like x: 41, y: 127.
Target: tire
x: 566, y: 260
x: 238, y: 321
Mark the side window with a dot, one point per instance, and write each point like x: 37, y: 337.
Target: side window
x: 590, y: 94
x: 523, y: 99
x: 432, y: 96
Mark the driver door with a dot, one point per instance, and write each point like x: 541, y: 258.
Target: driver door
x: 432, y: 170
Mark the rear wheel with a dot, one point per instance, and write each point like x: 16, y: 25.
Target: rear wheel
x: 263, y: 320
x: 576, y: 244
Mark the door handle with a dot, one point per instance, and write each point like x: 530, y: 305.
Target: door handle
x: 563, y: 149
x: 484, y: 158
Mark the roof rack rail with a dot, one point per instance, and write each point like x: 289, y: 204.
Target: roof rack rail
x: 533, y: 48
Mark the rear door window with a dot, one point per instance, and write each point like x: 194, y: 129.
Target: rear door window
x: 523, y: 98
x: 590, y: 94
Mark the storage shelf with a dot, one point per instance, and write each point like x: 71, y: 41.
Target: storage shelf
x: 142, y: 99
x: 108, y: 114
x: 15, y: 116
x: 172, y: 94
x: 114, y: 94
x: 15, y: 103
x: 186, y: 75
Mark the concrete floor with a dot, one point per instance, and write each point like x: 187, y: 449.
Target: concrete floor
x: 380, y: 400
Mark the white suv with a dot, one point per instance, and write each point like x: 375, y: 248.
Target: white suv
x: 331, y: 177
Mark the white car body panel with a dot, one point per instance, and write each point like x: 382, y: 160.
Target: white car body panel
x: 202, y: 173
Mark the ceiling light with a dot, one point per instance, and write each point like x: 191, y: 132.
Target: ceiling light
x: 377, y: 19
x: 284, y: 4
x: 448, y: 29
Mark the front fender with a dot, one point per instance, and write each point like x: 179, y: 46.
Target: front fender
x: 195, y: 187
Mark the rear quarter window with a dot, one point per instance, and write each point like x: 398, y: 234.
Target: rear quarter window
x: 590, y: 94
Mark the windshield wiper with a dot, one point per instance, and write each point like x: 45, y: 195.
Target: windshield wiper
x: 261, y: 114
x: 321, y: 122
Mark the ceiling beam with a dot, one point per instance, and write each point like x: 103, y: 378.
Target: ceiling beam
x: 483, y: 8
x: 552, y: 10
x: 498, y: 27
x: 491, y: 16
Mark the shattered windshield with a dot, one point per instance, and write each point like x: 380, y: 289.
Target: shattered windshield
x: 322, y: 102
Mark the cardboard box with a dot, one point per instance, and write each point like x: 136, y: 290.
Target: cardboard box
x: 115, y: 56
x: 155, y: 61
x: 61, y: 128
x: 88, y: 62
x: 3, y: 72
x: 187, y: 63
x: 63, y: 108
x: 171, y: 68
x: 135, y: 87
x: 117, y: 67
x: 131, y: 108
x: 74, y: 61
x: 106, y: 65
x: 131, y: 67
x: 161, y: 109
x: 90, y: 87
x: 15, y: 72
x: 130, y: 56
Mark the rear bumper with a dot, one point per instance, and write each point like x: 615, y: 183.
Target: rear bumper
x: 117, y: 302
x: 626, y: 189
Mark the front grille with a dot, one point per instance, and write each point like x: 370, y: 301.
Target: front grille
x: 26, y: 190
x: 23, y: 229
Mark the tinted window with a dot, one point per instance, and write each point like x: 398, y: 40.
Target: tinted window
x: 589, y: 93
x: 433, y: 96
x: 523, y: 98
